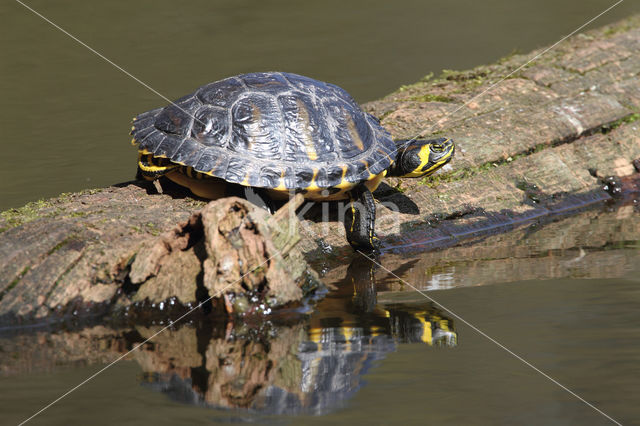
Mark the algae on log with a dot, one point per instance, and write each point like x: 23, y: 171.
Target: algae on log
x: 92, y: 263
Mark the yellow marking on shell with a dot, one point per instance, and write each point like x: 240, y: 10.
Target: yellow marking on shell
x: 210, y: 171
x: 317, y: 193
x: 134, y: 142
x: 133, y: 128
x: 343, y: 182
x: 245, y: 181
x: 255, y: 112
x: 281, y: 187
x: 156, y: 155
x: 353, y: 131
x: 391, y: 160
x: 313, y: 186
x: 307, y: 136
x: 134, y: 118
x: 366, y: 165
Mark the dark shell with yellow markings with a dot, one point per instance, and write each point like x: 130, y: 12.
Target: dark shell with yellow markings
x: 269, y: 130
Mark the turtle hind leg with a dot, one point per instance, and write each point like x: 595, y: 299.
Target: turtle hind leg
x: 360, y: 219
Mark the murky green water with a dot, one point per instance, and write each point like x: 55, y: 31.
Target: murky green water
x: 65, y: 112
x: 375, y: 350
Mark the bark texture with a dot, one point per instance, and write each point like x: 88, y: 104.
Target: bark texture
x: 230, y: 255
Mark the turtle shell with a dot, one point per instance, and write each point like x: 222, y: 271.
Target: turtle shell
x: 269, y: 130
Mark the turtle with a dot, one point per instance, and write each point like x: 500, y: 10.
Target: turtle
x: 281, y: 133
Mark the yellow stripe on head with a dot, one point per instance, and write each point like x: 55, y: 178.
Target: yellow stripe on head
x: 435, y: 167
x: 429, y: 156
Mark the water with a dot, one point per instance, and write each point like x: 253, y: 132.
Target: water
x: 375, y: 350
x: 65, y: 112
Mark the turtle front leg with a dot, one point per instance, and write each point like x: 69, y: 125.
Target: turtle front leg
x: 360, y: 218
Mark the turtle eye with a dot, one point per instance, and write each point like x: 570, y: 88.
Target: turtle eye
x: 437, y: 147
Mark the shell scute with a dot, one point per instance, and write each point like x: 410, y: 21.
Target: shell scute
x: 270, y: 176
x: 211, y: 126
x: 304, y: 176
x: 176, y: 118
x: 353, y: 135
x: 238, y: 169
x: 168, y: 146
x: 189, y: 153
x: 213, y: 162
x: 265, y: 82
x: 306, y: 133
x: 221, y: 93
x: 256, y: 130
x: 357, y: 172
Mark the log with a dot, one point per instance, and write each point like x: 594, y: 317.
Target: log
x: 553, y: 137
x: 231, y: 257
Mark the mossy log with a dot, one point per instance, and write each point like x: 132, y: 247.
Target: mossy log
x: 547, y: 139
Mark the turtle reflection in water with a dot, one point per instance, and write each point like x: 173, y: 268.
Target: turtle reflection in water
x: 287, y: 369
x: 312, y: 367
x: 276, y: 133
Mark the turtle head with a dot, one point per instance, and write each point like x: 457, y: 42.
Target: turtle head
x: 420, y: 158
